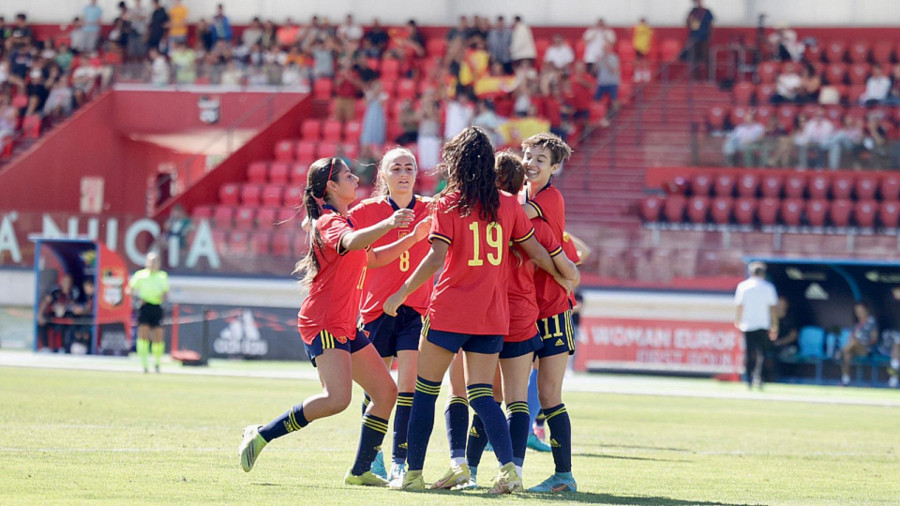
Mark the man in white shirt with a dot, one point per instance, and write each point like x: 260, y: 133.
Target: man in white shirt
x: 816, y: 135
x: 755, y: 299
x: 350, y: 30
x: 878, y: 86
x: 559, y: 54
x: 596, y: 39
x: 745, y: 138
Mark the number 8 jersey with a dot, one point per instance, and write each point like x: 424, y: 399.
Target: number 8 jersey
x: 470, y: 296
x: 383, y: 281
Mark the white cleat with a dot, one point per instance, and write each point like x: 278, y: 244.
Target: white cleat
x: 252, y: 444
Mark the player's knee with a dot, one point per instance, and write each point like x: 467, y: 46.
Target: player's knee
x: 549, y: 398
x: 336, y: 402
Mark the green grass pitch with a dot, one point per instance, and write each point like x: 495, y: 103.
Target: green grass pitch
x: 74, y: 437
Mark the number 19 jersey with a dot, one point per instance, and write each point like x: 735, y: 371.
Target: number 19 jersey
x: 470, y: 296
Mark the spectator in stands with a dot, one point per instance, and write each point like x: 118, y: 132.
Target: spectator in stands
x: 487, y: 119
x: 787, y: 87
x: 863, y: 336
x: 457, y: 38
x: 37, y: 90
x: 77, y: 35
x: 21, y: 34
x: 699, y: 24
x: 894, y: 95
x: 459, y: 115
x: 121, y: 29
x: 374, y: 125
x: 91, y: 16
x: 178, y: 28
x: 350, y: 31
x: 269, y: 35
x: 347, y: 87
x: 60, y: 99
x: 785, y: 345
x: 286, y: 35
x: 596, y: 39
x: 234, y: 76
x: 642, y: 41
x: 430, y: 137
x: 847, y: 139
x: 874, y: 143
x: 745, y: 139
x: 609, y: 76
x: 560, y: 54
x: 815, y: 137
x: 323, y: 59
x: 810, y: 85
x: 785, y: 43
x: 160, y: 74
x: 878, y: 88
x: 409, y: 122
x: 79, y: 342
x: 203, y: 36
x: 499, y: 40
x: 156, y: 31
x: 184, y: 60
x: 583, y: 87
x: 252, y: 35
x: 221, y: 26
x: 522, y: 46
x: 140, y: 18
x: 9, y: 118
x: 755, y: 299
x: 376, y: 38
x: 55, y: 305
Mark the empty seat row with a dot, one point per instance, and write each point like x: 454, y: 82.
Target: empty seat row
x: 281, y: 243
x: 261, y: 195
x: 307, y: 151
x: 225, y: 217
x: 858, y: 51
x: 770, y: 211
x: 330, y: 130
x: 790, y: 184
x: 262, y: 172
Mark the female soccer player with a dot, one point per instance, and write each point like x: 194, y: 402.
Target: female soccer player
x: 543, y: 154
x: 395, y: 336
x: 335, y: 270
x: 523, y: 339
x: 473, y: 225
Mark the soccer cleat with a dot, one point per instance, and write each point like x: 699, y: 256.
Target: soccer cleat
x: 455, y: 476
x: 378, y: 466
x: 412, y: 481
x: 536, y: 444
x: 252, y: 444
x: 395, y: 477
x: 366, y: 479
x: 556, y: 483
x: 472, y: 484
x: 507, y: 480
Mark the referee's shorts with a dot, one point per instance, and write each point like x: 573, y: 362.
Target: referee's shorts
x: 150, y: 315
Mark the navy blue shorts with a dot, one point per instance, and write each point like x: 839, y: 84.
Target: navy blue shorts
x: 325, y: 340
x: 529, y: 346
x: 390, y: 334
x: 453, y: 341
x: 557, y: 334
x: 611, y: 89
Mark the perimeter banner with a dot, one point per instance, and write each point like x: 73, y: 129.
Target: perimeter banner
x: 659, y: 346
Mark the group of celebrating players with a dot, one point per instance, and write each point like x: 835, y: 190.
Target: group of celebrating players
x: 501, y: 306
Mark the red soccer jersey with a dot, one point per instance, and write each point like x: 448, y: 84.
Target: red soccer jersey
x: 551, y: 208
x: 333, y: 300
x: 384, y: 281
x: 471, y: 293
x: 523, y: 307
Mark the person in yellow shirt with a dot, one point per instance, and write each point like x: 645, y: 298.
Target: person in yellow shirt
x: 178, y: 28
x: 150, y: 286
x: 642, y: 40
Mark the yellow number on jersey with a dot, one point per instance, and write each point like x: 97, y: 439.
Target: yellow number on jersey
x: 494, y: 238
x: 404, y: 257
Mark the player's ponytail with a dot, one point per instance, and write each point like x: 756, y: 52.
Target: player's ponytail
x: 320, y: 172
x: 468, y: 160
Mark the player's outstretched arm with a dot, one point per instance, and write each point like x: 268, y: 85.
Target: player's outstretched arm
x: 386, y: 254
x: 363, y: 238
x: 428, y: 268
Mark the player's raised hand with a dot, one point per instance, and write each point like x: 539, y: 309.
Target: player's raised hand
x: 422, y: 229
x: 401, y: 218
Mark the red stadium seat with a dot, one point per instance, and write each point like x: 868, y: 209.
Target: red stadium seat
x: 540, y: 46
x: 816, y: 212
x: 724, y: 185
x: 244, y: 218
x: 260, y: 244
x: 813, y: 53
x: 858, y: 73
x: 795, y: 185
x: 767, y: 71
x: 841, y: 187
x: 669, y: 50
x: 322, y: 88
x: 406, y: 89
x: 298, y: 173
x: 266, y: 217
x: 859, y: 51
x: 388, y: 87
x: 771, y: 185
x: 721, y: 210
x: 866, y: 186
x: 306, y: 152
x: 743, y: 92
x: 767, y: 212
x: 738, y: 113
x: 889, y: 213
x: 818, y: 185
x: 651, y: 207
x: 349, y: 150
x: 238, y: 242
x: 327, y: 149
x: 311, y: 130
x: 835, y: 73
x: 279, y: 171
x: 834, y: 113
x: 854, y: 92
x: 390, y: 69
x: 435, y: 46
x: 835, y: 50
x: 271, y: 195
x: 701, y: 184
x: 203, y: 212
x: 882, y: 52
x: 31, y: 126
x: 223, y: 216
x: 840, y: 212
x: 256, y: 172
x: 229, y: 194
x: 792, y: 211
x: 293, y: 196
x: 764, y: 112
x: 716, y: 117
x: 865, y: 212
x: 251, y: 195
x: 764, y: 93
x: 624, y: 49
x: 674, y: 208
x: 281, y: 243
x: 698, y: 209
x: 331, y: 130
x: 745, y: 211
x: 284, y: 150
x: 890, y: 188
x: 748, y: 184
